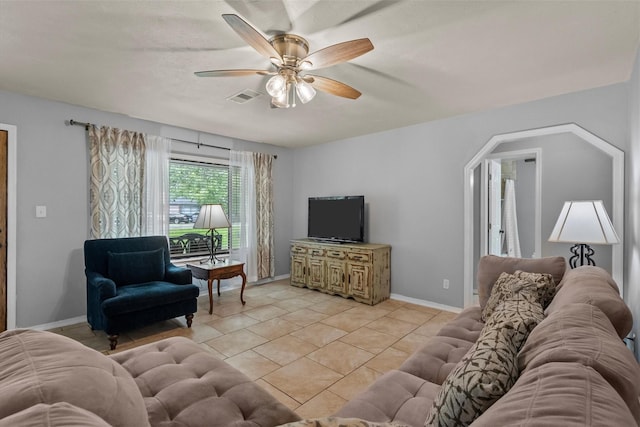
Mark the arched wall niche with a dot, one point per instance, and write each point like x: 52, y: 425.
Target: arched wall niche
x: 470, y: 209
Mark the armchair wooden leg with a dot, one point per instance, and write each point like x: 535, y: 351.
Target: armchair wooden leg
x: 189, y: 318
x: 113, y: 341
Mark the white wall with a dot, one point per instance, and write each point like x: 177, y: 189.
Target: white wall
x: 412, y: 179
x: 53, y: 171
x: 632, y: 293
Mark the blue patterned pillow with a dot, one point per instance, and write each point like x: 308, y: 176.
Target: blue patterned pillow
x: 128, y: 268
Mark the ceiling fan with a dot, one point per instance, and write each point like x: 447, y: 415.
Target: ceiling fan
x: 289, y: 53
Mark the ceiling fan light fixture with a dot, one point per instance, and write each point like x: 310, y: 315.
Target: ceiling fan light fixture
x: 305, y: 91
x: 277, y: 86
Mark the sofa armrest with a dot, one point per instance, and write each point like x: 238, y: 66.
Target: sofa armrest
x: 177, y: 275
x: 100, y: 286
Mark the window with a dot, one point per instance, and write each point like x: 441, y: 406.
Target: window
x: 191, y: 185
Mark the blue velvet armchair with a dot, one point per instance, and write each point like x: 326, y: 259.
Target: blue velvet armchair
x: 131, y: 283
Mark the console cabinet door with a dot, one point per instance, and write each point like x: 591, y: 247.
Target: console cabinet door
x: 360, y: 280
x: 316, y: 273
x: 299, y: 269
x: 336, y: 277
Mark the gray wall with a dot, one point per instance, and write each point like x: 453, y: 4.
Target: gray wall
x: 412, y: 179
x: 525, y: 187
x: 632, y: 291
x: 53, y: 171
x: 572, y: 169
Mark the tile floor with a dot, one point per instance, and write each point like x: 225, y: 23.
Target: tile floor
x: 310, y: 350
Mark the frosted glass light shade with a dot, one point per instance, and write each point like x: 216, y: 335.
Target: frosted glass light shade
x: 584, y: 222
x: 276, y: 86
x: 210, y: 217
x: 305, y: 91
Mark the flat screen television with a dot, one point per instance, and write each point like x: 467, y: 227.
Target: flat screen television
x: 338, y: 219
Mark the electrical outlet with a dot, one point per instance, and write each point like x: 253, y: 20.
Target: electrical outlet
x: 445, y: 284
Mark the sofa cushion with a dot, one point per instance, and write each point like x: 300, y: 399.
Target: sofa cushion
x: 42, y: 367
x: 490, y: 267
x: 396, y: 396
x: 483, y: 375
x: 59, y: 414
x: 126, y: 268
x: 184, y: 385
x: 559, y: 394
x: 582, y: 333
x: 339, y: 422
x: 593, y: 285
x: 135, y: 298
x: 440, y: 354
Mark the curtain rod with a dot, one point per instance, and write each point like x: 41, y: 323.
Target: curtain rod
x: 72, y: 122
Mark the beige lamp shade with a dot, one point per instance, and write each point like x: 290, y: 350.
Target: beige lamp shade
x: 211, y: 217
x: 584, y: 222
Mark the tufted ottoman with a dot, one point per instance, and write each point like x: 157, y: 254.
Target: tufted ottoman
x: 184, y: 385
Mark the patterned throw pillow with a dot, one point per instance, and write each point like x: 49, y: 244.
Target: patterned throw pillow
x: 537, y: 288
x: 521, y: 314
x: 545, y: 285
x: 484, y: 374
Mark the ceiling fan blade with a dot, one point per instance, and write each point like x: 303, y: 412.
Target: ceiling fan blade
x: 333, y: 87
x: 338, y: 53
x: 232, y: 73
x: 252, y: 36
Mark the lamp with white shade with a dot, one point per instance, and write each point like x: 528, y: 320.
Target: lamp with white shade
x: 212, y: 217
x: 584, y: 223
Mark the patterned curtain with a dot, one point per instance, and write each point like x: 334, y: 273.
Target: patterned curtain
x: 116, y: 182
x: 264, y: 214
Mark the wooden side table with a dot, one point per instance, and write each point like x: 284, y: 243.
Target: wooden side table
x: 223, y: 270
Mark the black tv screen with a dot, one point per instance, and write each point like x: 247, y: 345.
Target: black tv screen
x: 339, y: 219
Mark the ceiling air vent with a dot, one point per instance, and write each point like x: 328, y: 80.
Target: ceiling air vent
x: 244, y: 96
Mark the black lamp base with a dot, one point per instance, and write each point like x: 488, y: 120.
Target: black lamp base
x: 215, y: 239
x: 582, y: 253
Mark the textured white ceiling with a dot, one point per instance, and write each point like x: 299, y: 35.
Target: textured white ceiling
x: 432, y: 59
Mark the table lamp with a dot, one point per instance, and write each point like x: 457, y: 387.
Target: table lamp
x: 212, y: 217
x: 584, y: 223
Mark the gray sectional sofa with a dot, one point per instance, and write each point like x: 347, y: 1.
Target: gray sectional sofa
x: 573, y: 369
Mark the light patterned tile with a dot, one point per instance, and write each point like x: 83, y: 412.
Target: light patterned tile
x: 274, y: 328
x: 285, y: 349
x: 390, y: 326
x: 304, y: 317
x: 236, y: 342
x: 252, y: 364
x: 293, y: 304
x: 319, y: 334
x: 411, y: 316
x: 265, y: 312
x: 340, y: 357
x: 232, y: 323
x: 302, y: 379
x: 369, y: 339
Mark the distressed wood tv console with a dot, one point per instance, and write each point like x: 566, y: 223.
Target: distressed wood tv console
x: 358, y: 270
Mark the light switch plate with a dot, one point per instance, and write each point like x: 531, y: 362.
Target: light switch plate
x: 41, y: 211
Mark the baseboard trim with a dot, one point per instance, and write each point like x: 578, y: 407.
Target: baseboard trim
x: 59, y: 323
x: 426, y: 303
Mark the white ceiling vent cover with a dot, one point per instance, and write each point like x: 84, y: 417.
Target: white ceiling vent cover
x: 244, y: 96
